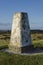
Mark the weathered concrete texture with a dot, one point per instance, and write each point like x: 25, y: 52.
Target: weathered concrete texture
x: 20, y: 34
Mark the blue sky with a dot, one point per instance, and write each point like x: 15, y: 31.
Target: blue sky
x: 34, y: 8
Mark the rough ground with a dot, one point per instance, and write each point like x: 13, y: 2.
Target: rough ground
x: 35, y: 51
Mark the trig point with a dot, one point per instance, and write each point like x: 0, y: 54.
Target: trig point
x: 20, y: 34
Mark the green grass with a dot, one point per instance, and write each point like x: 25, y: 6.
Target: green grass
x: 37, y: 39
x: 4, y: 43
x: 14, y: 59
x: 4, y: 40
x: 38, y: 43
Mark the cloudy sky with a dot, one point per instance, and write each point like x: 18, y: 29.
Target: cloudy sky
x: 34, y: 8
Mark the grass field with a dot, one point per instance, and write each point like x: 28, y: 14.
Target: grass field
x: 13, y: 59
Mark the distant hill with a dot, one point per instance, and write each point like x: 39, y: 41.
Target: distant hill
x: 32, y: 31
x: 36, y: 31
x: 5, y: 31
